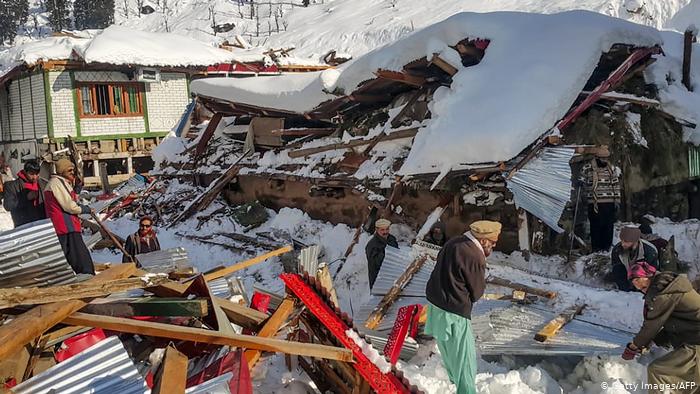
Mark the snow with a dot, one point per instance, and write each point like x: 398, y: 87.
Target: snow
x: 121, y: 45
x: 5, y: 220
x: 469, y: 114
x: 51, y: 48
x: 634, y: 124
x: 370, y: 352
x: 685, y: 17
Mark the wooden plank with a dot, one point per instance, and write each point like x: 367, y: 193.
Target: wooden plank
x: 236, y: 313
x: 149, y: 306
x: 39, y: 345
x: 319, y: 131
x: 36, y: 321
x: 269, y: 330
x: 323, y: 274
x: 192, y: 334
x: 406, y: 133
x: 552, y: 328
x: 206, y: 136
x: 396, y: 120
x: 172, y: 374
x: 518, y: 286
x: 688, y: 40
x: 247, y: 263
x: 46, y: 295
x: 402, y: 77
x: 443, y: 65
x: 378, y: 313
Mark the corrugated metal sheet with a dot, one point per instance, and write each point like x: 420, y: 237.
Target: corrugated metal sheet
x: 198, y: 364
x: 217, y: 385
x: 228, y: 287
x: 503, y: 328
x: 693, y: 161
x: 395, y: 263
x: 308, y: 259
x: 103, y: 368
x: 379, y: 340
x: 543, y: 186
x: 30, y: 255
x: 165, y: 260
x: 387, y: 322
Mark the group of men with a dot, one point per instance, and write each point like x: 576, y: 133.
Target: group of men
x: 27, y: 201
x: 671, y: 305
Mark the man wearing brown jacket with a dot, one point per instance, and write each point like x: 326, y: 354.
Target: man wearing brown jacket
x: 457, y: 282
x: 671, y: 318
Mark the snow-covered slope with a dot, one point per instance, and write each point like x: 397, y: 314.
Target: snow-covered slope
x: 686, y: 16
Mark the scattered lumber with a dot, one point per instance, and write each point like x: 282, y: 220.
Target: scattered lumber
x: 380, y: 310
x: 36, y: 321
x: 443, y: 65
x: 402, y: 77
x: 172, y: 375
x: 192, y: 334
x: 245, y: 264
x: 552, y: 328
x: 316, y: 132
x: 518, y: 296
x: 270, y: 328
x: 406, y: 133
x: 517, y: 286
x: 46, y: 295
x: 148, y: 306
x: 206, y: 136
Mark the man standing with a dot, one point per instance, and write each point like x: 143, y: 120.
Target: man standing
x: 457, y: 282
x: 671, y: 318
x: 375, y: 248
x: 628, y: 251
x: 63, y: 209
x: 601, y: 185
x: 22, y: 197
x: 142, y: 241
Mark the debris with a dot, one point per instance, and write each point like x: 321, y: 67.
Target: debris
x: 251, y: 214
x: 148, y: 306
x: 555, y: 325
x: 517, y: 286
x: 172, y: 375
x: 245, y: 264
x: 270, y: 328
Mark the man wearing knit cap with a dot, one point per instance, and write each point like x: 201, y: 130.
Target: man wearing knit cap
x: 62, y: 207
x: 376, y: 246
x: 457, y: 282
x: 671, y: 318
x: 628, y: 251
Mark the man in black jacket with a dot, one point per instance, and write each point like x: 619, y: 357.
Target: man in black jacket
x: 22, y: 197
x: 457, y: 282
x: 629, y: 250
x: 375, y: 248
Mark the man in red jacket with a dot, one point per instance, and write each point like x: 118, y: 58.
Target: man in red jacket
x: 61, y: 203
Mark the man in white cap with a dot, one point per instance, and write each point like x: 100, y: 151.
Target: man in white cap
x: 375, y: 248
x: 457, y: 282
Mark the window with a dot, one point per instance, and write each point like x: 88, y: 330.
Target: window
x: 109, y: 99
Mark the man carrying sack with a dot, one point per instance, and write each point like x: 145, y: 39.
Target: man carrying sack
x: 457, y: 282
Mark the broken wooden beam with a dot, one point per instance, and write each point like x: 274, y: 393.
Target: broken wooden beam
x: 172, y: 374
x: 206, y: 136
x: 405, y: 133
x: 73, y: 291
x: 148, y: 306
x: 443, y: 65
x: 318, y: 132
x: 688, y: 40
x: 29, y: 325
x: 380, y: 310
x: 552, y: 328
x: 402, y: 77
x: 161, y: 330
x: 247, y: 263
x: 270, y: 328
x: 518, y: 286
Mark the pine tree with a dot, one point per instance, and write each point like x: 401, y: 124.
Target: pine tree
x: 59, y: 14
x: 15, y: 14
x: 93, y: 14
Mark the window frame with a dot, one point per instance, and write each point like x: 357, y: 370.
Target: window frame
x: 92, y: 85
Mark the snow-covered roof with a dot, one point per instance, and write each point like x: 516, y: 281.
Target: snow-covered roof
x: 533, y: 70
x: 121, y: 46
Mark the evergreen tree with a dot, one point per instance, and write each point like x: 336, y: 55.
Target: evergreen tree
x: 93, y: 14
x: 59, y: 14
x: 14, y: 14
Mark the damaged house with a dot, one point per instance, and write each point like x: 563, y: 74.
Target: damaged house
x: 459, y: 122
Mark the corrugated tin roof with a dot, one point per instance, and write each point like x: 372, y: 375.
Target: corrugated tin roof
x: 102, y: 368
x: 30, y: 255
x: 395, y: 263
x: 165, y: 260
x: 228, y: 287
x: 217, y: 385
x: 308, y: 259
x: 543, y: 186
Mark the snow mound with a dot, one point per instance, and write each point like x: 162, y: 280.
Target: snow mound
x: 52, y: 48
x: 533, y: 70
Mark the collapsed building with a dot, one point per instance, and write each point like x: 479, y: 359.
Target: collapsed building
x: 457, y: 122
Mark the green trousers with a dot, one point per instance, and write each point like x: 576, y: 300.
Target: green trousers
x: 455, y: 340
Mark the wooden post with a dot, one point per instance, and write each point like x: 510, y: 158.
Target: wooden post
x: 378, y: 313
x: 245, y: 264
x: 36, y: 321
x: 517, y: 286
x: 171, y: 331
x: 688, y: 40
x: 270, y: 328
x: 172, y: 375
x: 553, y: 327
